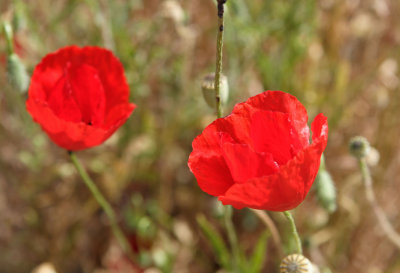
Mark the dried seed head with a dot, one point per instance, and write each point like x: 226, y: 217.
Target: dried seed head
x: 208, y: 89
x: 296, y: 263
x: 359, y: 147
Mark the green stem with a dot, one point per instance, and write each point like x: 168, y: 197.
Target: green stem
x: 119, y: 235
x: 233, y: 241
x: 220, y: 43
x: 295, y: 234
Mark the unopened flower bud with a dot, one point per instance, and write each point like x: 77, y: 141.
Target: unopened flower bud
x: 359, y: 147
x: 17, y: 74
x: 296, y: 263
x: 208, y: 89
x: 326, y: 191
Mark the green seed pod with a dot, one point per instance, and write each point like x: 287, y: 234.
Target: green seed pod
x: 17, y: 74
x: 359, y: 147
x: 296, y: 263
x: 208, y: 89
x: 326, y: 191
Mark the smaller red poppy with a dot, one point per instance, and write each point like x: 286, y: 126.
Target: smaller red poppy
x: 79, y: 96
x: 260, y: 156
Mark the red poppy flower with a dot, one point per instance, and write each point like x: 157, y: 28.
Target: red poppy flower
x: 79, y: 96
x: 260, y: 155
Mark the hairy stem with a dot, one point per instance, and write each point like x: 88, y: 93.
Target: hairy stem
x: 119, y: 235
x: 295, y: 234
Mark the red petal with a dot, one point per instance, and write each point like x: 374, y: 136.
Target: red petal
x: 319, y: 128
x: 79, y: 96
x: 88, y: 92
x: 288, y: 188
x: 72, y: 136
x: 207, y: 163
x: 211, y: 172
x: 108, y: 67
x: 278, y: 101
x: 63, y: 103
x: 244, y: 163
x: 273, y: 132
x: 111, y: 73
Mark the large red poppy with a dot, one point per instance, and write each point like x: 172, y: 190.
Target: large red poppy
x: 260, y: 156
x: 79, y: 96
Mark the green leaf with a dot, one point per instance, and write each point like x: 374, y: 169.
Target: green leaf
x: 257, y: 258
x: 219, y: 247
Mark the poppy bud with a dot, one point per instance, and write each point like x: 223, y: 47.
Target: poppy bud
x: 359, y: 147
x: 326, y: 190
x: 208, y: 89
x: 17, y: 74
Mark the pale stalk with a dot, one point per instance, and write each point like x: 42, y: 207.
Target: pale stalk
x: 388, y: 229
x: 267, y: 221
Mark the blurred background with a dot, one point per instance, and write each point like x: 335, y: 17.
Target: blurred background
x: 339, y: 57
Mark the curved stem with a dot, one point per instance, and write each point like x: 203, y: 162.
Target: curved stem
x: 388, y: 229
x: 119, y: 235
x: 266, y: 219
x: 295, y: 234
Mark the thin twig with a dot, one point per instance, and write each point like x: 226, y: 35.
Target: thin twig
x: 266, y: 219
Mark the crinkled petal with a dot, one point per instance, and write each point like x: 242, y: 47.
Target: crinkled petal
x: 111, y: 73
x: 207, y: 163
x: 72, y: 136
x: 79, y: 96
x: 244, y: 163
x: 288, y: 188
x: 211, y: 172
x: 108, y: 67
x: 278, y: 101
x: 273, y: 132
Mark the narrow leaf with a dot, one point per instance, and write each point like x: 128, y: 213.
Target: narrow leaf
x: 218, y: 245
